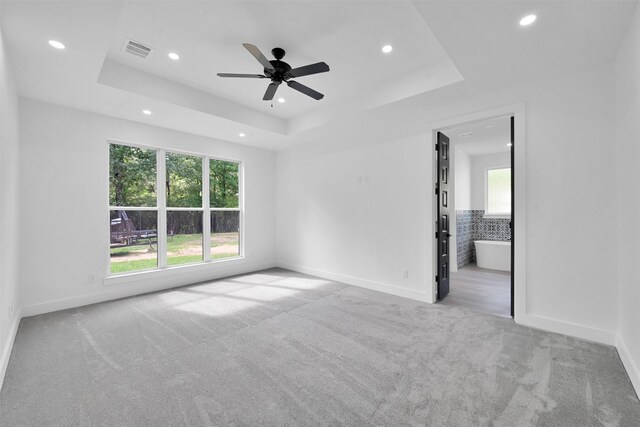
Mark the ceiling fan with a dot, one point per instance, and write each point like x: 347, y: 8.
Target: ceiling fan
x: 279, y: 72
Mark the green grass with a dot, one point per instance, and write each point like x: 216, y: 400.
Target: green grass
x: 183, y: 259
x: 174, y: 245
x: 125, y: 250
x: 179, y: 241
x: 135, y: 265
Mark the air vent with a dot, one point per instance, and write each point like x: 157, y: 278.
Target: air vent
x: 137, y: 49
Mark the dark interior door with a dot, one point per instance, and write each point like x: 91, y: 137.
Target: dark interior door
x: 442, y: 233
x: 513, y: 216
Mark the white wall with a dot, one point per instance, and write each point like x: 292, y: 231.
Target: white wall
x: 353, y: 213
x: 64, y: 196
x: 366, y: 234
x: 9, y: 217
x: 627, y: 209
x: 479, y: 164
x: 462, y: 179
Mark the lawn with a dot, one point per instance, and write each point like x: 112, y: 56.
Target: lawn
x: 181, y: 249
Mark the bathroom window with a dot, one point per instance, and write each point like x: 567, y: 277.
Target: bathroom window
x: 498, y: 192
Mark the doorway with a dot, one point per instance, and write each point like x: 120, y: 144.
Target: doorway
x: 475, y: 215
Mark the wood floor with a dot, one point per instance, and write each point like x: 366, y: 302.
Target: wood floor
x: 479, y: 289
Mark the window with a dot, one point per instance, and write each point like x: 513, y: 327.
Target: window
x: 498, y: 192
x: 133, y: 215
x: 225, y: 209
x: 184, y: 209
x: 151, y: 229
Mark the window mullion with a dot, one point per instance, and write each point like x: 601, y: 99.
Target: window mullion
x: 206, y: 209
x: 162, y: 208
x: 241, y: 207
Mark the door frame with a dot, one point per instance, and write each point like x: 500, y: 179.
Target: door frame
x: 519, y: 200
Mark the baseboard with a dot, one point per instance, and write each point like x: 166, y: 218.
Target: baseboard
x: 8, y: 346
x: 362, y: 283
x: 629, y: 364
x: 565, y: 328
x: 113, y: 292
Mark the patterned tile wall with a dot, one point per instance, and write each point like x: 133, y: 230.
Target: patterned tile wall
x: 464, y: 237
x: 471, y: 225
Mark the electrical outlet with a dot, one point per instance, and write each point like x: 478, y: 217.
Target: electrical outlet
x: 91, y: 279
x: 405, y: 274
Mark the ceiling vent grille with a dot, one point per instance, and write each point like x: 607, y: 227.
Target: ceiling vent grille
x: 137, y: 49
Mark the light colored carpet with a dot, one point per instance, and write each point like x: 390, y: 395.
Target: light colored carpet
x: 278, y: 348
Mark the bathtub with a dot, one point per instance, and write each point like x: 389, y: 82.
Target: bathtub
x: 493, y: 255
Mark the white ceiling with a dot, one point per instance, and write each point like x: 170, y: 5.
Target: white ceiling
x: 484, y: 137
x: 209, y: 36
x: 437, y: 44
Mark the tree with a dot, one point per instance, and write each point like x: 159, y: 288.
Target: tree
x: 223, y: 189
x: 132, y: 176
x: 184, y: 181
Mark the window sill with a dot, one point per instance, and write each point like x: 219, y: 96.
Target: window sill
x: 137, y: 276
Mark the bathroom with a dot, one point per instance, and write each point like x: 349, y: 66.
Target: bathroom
x: 481, y: 229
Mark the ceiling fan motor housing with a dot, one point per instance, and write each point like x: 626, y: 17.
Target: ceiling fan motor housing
x: 281, y: 67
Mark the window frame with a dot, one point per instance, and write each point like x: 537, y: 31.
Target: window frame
x: 238, y: 209
x: 488, y: 214
x: 161, y: 208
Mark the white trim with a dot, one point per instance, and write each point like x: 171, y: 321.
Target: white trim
x: 386, y: 288
x: 497, y: 216
x: 157, y: 273
x: 161, y: 199
x: 241, y: 207
x: 8, y: 345
x: 206, y: 209
x: 566, y: 328
x: 107, y: 222
x: 152, y: 284
x: 629, y: 364
x: 133, y: 208
x: 181, y: 209
x: 520, y: 213
x: 170, y: 150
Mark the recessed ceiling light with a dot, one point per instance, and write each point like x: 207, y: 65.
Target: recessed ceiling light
x: 174, y: 56
x: 509, y: 144
x: 528, y: 20
x: 281, y: 100
x: 241, y: 135
x: 387, y: 48
x: 146, y: 112
x: 56, y: 44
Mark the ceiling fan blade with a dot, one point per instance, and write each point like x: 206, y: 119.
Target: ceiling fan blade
x: 259, y: 56
x: 244, y: 76
x: 306, y: 90
x: 318, y: 67
x: 271, y: 91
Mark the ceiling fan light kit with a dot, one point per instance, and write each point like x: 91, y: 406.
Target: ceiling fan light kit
x: 279, y: 71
